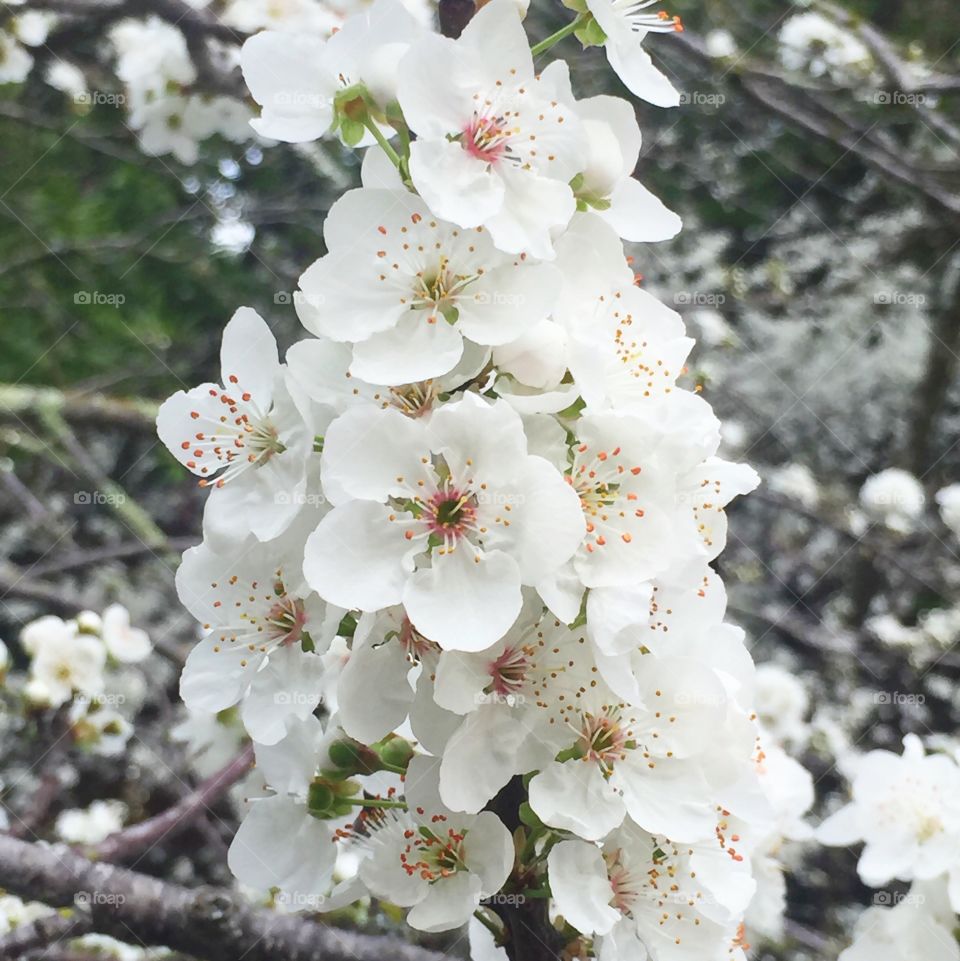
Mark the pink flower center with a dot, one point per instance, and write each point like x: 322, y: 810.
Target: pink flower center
x: 450, y: 514
x: 286, y: 619
x: 487, y: 138
x: 604, y: 739
x: 509, y: 671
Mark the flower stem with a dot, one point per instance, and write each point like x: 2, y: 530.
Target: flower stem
x: 555, y: 38
x: 395, y: 159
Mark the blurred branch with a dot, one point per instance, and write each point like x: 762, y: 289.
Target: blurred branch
x: 20, y: 399
x: 206, y: 922
x: 893, y: 65
x: 102, y: 555
x: 140, y: 837
x: 802, y: 109
x: 44, y: 933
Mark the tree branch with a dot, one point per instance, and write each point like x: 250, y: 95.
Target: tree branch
x: 136, y: 839
x: 206, y: 922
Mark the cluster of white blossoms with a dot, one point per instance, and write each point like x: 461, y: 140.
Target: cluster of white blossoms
x: 456, y: 568
x: 79, y: 665
x: 906, y: 811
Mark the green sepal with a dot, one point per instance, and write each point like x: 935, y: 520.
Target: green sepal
x: 591, y: 34
x: 528, y: 816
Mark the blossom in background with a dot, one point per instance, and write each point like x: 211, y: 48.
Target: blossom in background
x: 815, y: 43
x: 124, y: 642
x: 948, y: 500
x: 92, y: 825
x: 906, y: 810
x: 64, y: 662
x: 895, y: 498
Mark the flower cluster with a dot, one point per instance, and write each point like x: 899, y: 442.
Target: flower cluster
x: 469, y: 523
x: 905, y: 808
x: 78, y: 665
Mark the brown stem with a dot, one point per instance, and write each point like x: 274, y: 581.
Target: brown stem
x: 134, y: 840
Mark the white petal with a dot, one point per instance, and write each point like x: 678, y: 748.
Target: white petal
x: 549, y: 518
x: 437, y: 82
x: 634, y: 67
x: 581, y: 887
x: 280, y: 845
x: 575, y: 797
x: 289, y: 765
x: 481, y: 757
x: 216, y: 674
x: 638, y: 215
x: 373, y: 692
x: 497, y: 38
x: 531, y: 206
x: 455, y: 185
x: 506, y: 302
x: 418, y: 347
x: 285, y: 75
x: 366, y: 449
x: 449, y: 904
x: 489, y: 852
x: 465, y: 601
x: 356, y: 557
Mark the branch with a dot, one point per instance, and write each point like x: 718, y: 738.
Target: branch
x: 44, y: 932
x: 205, y: 922
x: 798, y: 108
x: 134, y: 840
x: 21, y: 399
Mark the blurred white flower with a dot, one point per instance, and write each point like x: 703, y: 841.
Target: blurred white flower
x: 90, y: 826
x: 894, y: 497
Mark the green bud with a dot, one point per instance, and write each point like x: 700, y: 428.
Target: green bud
x: 351, y: 131
x: 394, y: 751
x: 351, y: 757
